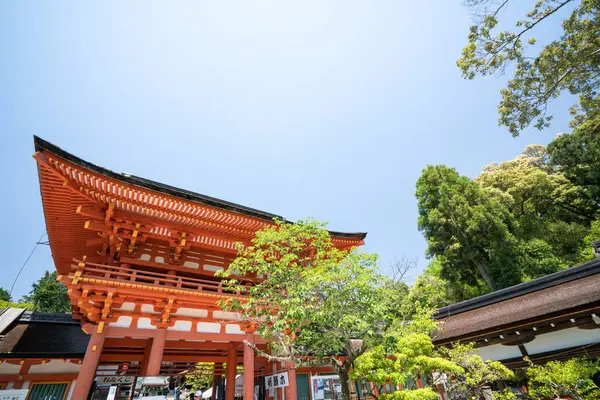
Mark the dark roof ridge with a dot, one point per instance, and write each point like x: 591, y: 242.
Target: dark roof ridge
x: 41, y: 144
x: 47, y: 317
x: 589, y: 268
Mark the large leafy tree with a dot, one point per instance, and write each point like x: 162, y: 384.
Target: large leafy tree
x: 540, y: 72
x: 577, y: 157
x: 48, y: 295
x: 518, y: 220
x: 534, y: 190
x: 467, y: 229
x: 313, y: 301
x: 552, y: 213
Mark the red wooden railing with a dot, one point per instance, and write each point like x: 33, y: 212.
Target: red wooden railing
x: 124, y: 273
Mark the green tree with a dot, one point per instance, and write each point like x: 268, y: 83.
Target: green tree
x: 552, y: 213
x: 316, y: 301
x: 476, y: 374
x: 559, y: 379
x: 577, y: 156
x: 5, y: 295
x: 468, y: 229
x: 518, y: 220
x: 48, y: 295
x: 533, y: 190
x: 406, y: 355
x: 432, y: 291
x: 540, y: 72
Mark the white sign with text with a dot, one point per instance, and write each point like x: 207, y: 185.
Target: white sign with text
x: 112, y: 393
x: 114, y: 380
x: 277, y: 380
x: 14, y: 394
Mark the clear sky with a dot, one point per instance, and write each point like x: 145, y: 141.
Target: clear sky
x: 327, y: 109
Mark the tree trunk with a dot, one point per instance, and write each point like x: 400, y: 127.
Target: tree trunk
x: 344, y: 382
x: 485, y: 274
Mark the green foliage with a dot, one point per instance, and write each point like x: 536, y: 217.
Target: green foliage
x: 406, y: 355
x: 6, y: 304
x: 540, y: 73
x: 201, y: 377
x: 431, y: 291
x: 476, y: 373
x: 577, y: 157
x: 415, y: 394
x: 557, y: 379
x: 467, y: 229
x: 518, y: 220
x: 5, y: 295
x: 315, y: 300
x: 48, y: 295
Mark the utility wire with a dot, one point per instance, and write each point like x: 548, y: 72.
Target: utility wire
x: 25, y: 263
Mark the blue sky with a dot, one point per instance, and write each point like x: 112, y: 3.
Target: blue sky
x: 327, y: 109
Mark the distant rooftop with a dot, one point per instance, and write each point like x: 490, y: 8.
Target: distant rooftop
x: 550, y: 296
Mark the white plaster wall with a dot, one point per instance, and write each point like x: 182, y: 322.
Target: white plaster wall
x: 208, y: 327
x: 191, y: 264
x: 562, y: 339
x: 144, y: 323
x: 10, y: 385
x: 25, y: 385
x: 6, y: 368
x: 212, y: 268
x: 124, y: 321
x: 182, y: 326
x: 226, y: 315
x: 55, y: 367
x: 148, y: 308
x: 498, y: 352
x: 233, y: 328
x: 191, y: 312
x: 127, y: 306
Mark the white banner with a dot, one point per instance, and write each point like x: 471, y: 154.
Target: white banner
x: 112, y: 393
x: 277, y: 380
x: 14, y: 394
x: 114, y: 379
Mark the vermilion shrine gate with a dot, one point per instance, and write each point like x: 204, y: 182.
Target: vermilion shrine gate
x: 138, y: 258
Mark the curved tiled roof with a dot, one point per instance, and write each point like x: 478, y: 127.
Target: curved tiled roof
x: 42, y: 145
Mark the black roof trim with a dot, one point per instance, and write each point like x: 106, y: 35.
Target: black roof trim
x: 47, y: 317
x: 41, y: 145
x: 557, y: 278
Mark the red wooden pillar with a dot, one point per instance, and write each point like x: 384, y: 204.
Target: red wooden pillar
x: 290, y: 389
x: 216, y: 378
x: 231, y: 370
x: 25, y: 365
x: 279, y: 391
x: 87, y: 372
x: 144, y: 365
x: 156, y: 352
x: 249, y: 368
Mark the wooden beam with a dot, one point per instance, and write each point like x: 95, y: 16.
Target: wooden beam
x: 176, y: 335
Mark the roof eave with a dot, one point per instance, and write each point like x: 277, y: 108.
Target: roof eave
x: 42, y: 145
